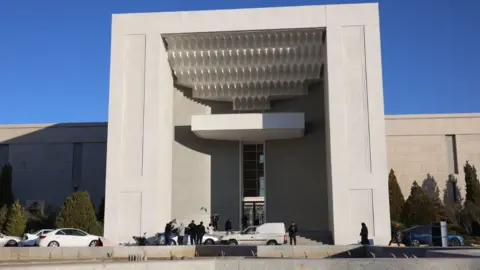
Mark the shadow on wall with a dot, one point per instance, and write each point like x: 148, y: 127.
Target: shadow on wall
x: 50, y: 162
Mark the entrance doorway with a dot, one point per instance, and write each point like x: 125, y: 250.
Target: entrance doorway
x: 253, y: 213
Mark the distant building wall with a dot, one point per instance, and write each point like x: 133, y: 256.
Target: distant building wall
x: 51, y: 160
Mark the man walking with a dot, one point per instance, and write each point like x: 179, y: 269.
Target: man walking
x: 200, y: 233
x: 168, y: 233
x: 292, y: 233
x: 181, y: 234
x: 192, y: 231
x: 214, y: 220
x: 228, y: 226
x: 394, y: 233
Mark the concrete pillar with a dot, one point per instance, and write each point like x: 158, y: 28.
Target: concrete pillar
x: 357, y: 169
x: 140, y: 137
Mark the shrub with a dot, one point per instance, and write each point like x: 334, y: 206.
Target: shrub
x: 6, y: 193
x: 396, y: 197
x: 77, y: 212
x: 419, y: 208
x: 16, y: 221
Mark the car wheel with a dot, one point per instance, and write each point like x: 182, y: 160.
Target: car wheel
x: 93, y: 243
x: 415, y: 243
x: 454, y: 242
x: 232, y: 242
x: 209, y: 242
x: 173, y: 243
x: 11, y: 243
x: 53, y: 244
x: 272, y: 243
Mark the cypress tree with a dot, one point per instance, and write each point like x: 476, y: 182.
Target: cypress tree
x: 396, y: 197
x: 16, y: 220
x: 77, y: 212
x: 472, y: 186
x: 419, y: 209
x: 6, y: 193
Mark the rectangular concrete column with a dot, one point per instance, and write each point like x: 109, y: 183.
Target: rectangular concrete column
x: 140, y: 137
x: 357, y: 169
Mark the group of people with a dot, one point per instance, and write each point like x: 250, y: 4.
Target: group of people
x: 194, y: 231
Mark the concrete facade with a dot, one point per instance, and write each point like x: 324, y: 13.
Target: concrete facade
x: 147, y: 180
x: 416, y: 146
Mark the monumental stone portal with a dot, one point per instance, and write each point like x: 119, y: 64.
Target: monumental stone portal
x: 261, y: 115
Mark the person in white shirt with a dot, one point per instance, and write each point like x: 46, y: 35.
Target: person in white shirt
x: 210, y: 229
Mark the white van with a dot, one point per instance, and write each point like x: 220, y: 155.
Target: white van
x: 265, y: 234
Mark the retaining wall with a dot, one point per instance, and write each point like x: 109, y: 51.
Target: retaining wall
x: 268, y: 264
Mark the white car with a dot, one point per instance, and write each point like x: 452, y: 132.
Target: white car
x: 9, y: 241
x: 31, y: 239
x: 265, y: 234
x: 67, y: 237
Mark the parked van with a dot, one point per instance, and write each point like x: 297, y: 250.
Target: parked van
x: 265, y: 234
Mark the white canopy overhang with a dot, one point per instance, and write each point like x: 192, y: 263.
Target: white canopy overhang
x: 249, y: 126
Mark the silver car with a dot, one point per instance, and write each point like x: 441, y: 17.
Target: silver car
x: 9, y: 241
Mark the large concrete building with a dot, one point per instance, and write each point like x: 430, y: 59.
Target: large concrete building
x: 264, y: 113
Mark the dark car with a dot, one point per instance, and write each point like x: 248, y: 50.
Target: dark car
x: 422, y: 235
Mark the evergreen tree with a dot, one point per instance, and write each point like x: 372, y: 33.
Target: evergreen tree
x: 419, y: 209
x: 101, y: 210
x: 396, y: 197
x: 16, y: 221
x: 3, y: 217
x: 6, y: 193
x: 472, y: 186
x: 77, y: 212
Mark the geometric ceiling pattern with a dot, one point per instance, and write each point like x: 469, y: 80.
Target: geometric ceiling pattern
x: 248, y: 68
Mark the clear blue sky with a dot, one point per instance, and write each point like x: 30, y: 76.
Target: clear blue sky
x: 54, y: 54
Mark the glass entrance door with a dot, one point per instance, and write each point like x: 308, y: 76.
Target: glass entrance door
x: 253, y: 214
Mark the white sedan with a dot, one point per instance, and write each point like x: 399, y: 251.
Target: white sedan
x: 31, y: 239
x: 9, y: 241
x: 67, y: 237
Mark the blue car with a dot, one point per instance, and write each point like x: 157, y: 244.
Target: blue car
x: 422, y: 235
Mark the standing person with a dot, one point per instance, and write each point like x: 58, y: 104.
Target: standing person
x: 181, y: 234
x: 192, y: 230
x: 228, y: 226
x: 200, y: 233
x: 168, y: 233
x: 394, y: 232
x: 214, y: 220
x: 245, y: 221
x: 292, y: 233
x: 210, y: 229
x: 364, y: 235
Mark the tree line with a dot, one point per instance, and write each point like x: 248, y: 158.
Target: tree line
x: 424, y: 204
x: 77, y: 211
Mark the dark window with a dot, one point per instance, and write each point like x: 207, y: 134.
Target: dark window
x: 253, y: 169
x: 77, y: 233
x: 62, y: 232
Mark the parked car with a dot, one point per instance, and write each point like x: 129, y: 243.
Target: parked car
x: 207, y: 239
x: 67, y: 237
x: 31, y: 239
x: 422, y: 235
x: 9, y: 241
x: 267, y: 233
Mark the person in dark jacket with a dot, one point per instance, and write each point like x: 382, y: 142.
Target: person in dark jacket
x: 168, y: 233
x: 292, y: 233
x: 244, y: 222
x: 394, y: 233
x: 228, y: 226
x: 192, y: 231
x: 200, y: 233
x: 214, y: 220
x: 364, y: 235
